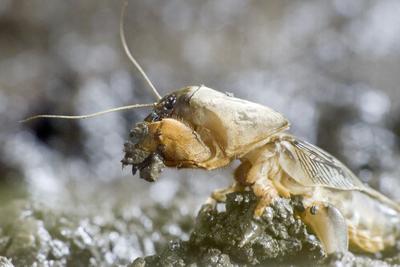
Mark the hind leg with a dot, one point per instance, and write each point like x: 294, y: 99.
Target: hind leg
x: 328, y: 224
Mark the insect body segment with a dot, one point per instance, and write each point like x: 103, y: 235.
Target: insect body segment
x: 198, y: 127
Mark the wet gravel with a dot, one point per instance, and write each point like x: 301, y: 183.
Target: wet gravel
x: 32, y: 234
x: 230, y: 236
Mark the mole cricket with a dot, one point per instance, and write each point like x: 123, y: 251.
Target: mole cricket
x: 199, y: 127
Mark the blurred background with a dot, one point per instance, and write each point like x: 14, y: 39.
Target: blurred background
x: 332, y: 67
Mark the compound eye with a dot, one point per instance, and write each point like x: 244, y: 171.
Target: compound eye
x: 170, y: 101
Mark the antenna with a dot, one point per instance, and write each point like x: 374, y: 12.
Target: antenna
x: 67, y: 117
x: 135, y: 63
x: 128, y: 52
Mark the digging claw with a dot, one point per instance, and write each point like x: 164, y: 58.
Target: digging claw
x: 152, y: 168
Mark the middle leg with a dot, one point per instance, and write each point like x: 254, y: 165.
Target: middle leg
x: 260, y: 176
x: 219, y: 195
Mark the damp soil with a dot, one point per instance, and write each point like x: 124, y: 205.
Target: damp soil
x: 225, y: 235
x: 230, y: 236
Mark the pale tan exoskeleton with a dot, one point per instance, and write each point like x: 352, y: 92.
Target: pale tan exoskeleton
x: 198, y: 127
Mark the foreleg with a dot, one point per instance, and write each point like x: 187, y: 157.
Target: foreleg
x: 181, y: 146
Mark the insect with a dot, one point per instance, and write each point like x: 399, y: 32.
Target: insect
x: 198, y: 127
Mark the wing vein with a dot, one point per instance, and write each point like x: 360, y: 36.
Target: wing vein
x: 322, y: 168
